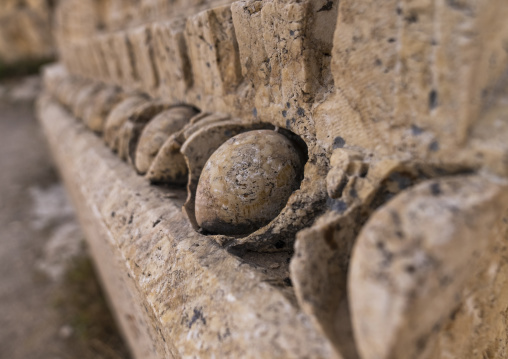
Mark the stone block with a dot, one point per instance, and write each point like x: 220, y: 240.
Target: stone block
x: 171, y: 58
x: 142, y: 49
x: 213, y: 52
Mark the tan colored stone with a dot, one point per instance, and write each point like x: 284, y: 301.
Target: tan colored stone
x: 201, y: 120
x: 171, y: 58
x: 99, y: 107
x: 157, y: 131
x: 211, y: 43
x: 123, y: 51
x: 203, y: 137
x: 300, y: 208
x: 113, y: 62
x: 415, y: 261
x: 168, y: 283
x: 52, y: 76
x: 343, y: 164
x: 68, y: 90
x: 388, y: 98
x: 170, y: 166
x: 285, y: 51
x: 84, y: 98
x: 246, y: 182
x: 319, y: 275
x: 358, y: 187
x: 25, y: 31
x: 119, y: 116
x: 128, y: 134
x: 97, y: 66
x: 142, y: 51
x: 402, y: 85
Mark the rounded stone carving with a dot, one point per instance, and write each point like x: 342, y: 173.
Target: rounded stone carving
x: 157, y: 131
x: 247, y: 182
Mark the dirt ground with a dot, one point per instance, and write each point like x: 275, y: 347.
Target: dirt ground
x: 51, y: 305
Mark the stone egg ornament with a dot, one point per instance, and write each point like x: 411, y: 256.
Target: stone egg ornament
x: 247, y: 182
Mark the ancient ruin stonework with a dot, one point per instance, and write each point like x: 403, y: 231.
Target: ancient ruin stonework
x: 386, y: 237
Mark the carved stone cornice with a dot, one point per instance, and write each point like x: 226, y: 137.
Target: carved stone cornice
x: 400, y: 111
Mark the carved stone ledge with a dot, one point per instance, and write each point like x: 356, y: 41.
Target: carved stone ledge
x: 176, y: 292
x: 401, y: 109
x: 181, y: 156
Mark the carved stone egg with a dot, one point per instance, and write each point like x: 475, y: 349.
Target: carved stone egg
x: 247, y: 182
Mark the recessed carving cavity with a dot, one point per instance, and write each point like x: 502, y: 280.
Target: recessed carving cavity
x: 170, y: 166
x: 247, y: 182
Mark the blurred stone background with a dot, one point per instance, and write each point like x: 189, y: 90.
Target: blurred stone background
x: 25, y: 33
x: 51, y: 302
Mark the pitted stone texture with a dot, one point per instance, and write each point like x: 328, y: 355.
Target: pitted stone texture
x: 213, y: 51
x: 419, y: 84
x: 247, y: 182
x: 357, y: 187
x: 413, y: 82
x: 285, y: 51
x: 428, y: 261
x: 176, y: 292
x: 197, y: 141
x: 218, y: 84
x: 393, y: 94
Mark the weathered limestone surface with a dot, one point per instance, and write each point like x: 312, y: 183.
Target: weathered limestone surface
x: 157, y: 132
x: 172, y: 59
x: 412, y: 78
x: 397, y: 231
x: 176, y: 292
x: 246, y: 182
x: 434, y: 259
